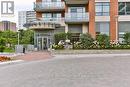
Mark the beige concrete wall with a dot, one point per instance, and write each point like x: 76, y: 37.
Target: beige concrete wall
x: 102, y: 18
x: 66, y: 28
x: 102, y: 0
x: 123, y: 0
x: 124, y: 18
x: 84, y: 28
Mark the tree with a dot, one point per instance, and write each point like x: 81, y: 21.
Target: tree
x: 127, y: 38
x: 10, y: 36
x: 103, y: 40
x: 86, y: 40
x: 2, y: 44
x: 27, y: 37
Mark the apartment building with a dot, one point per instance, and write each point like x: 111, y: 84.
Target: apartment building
x: 25, y: 17
x: 7, y: 25
x: 111, y: 17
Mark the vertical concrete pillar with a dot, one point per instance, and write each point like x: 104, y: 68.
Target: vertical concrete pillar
x: 91, y: 10
x: 113, y: 15
x: 66, y: 28
x: 84, y: 28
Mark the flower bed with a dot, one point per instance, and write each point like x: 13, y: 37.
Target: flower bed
x: 4, y: 58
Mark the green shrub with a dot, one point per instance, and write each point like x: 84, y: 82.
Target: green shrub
x: 62, y: 36
x: 103, y: 40
x: 58, y: 47
x: 77, y: 45
x: 2, y: 44
x: 86, y: 41
x: 126, y: 38
x: 59, y: 36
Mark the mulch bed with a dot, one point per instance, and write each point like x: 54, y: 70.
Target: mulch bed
x: 4, y: 58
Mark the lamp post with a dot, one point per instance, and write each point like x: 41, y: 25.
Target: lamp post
x: 18, y: 37
x: 19, y: 32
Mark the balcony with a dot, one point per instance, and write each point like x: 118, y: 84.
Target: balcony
x: 49, y: 6
x: 76, y: 1
x: 42, y: 25
x: 46, y: 23
x: 76, y: 17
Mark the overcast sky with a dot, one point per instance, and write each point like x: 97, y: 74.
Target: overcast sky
x: 20, y: 5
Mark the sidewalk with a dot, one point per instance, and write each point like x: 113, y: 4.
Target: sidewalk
x: 70, y: 52
x: 34, y: 56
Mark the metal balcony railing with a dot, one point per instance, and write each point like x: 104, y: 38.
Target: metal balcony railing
x: 55, y: 20
x: 46, y: 23
x: 76, y: 17
x: 46, y: 6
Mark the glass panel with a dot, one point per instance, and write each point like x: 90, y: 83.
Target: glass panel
x: 58, y: 15
x: 73, y: 10
x: 77, y: 9
x: 127, y: 8
x: 45, y: 43
x: 102, y: 28
x: 121, y: 8
x: 98, y: 9
x: 106, y: 9
x: 102, y: 9
x: 124, y: 8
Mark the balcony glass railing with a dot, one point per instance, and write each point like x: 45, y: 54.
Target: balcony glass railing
x: 42, y: 25
x: 76, y: 17
x: 76, y: 1
x: 49, y: 5
x: 52, y: 19
x: 46, y: 23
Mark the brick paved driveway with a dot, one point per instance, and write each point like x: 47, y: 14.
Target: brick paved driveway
x: 35, y: 56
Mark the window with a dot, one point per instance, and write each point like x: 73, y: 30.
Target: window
x: 76, y: 9
x: 51, y: 0
x: 102, y: 28
x: 51, y: 16
x: 102, y: 9
x: 124, y: 8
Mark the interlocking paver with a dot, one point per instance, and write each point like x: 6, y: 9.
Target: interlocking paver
x: 40, y: 55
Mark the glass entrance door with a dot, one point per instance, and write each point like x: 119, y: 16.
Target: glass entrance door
x: 43, y: 43
x: 39, y: 43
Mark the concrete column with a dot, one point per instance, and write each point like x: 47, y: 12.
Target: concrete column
x: 66, y: 28
x: 85, y: 28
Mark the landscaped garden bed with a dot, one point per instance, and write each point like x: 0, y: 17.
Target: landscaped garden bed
x: 87, y: 42
x: 4, y: 58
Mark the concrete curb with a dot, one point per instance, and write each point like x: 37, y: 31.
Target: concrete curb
x: 90, y: 56
x: 11, y: 54
x: 67, y: 52
x: 11, y: 62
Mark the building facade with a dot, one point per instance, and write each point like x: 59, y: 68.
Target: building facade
x: 111, y: 17
x: 25, y: 17
x: 7, y: 25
